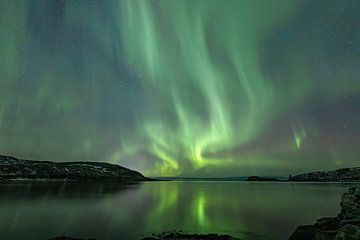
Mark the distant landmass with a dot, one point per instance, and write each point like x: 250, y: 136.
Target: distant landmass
x: 12, y: 168
x: 340, y: 175
x: 261, y: 179
x: 202, y: 178
x: 238, y: 178
x: 344, y: 174
x: 170, y: 236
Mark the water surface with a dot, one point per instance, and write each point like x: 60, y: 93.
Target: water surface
x: 248, y: 210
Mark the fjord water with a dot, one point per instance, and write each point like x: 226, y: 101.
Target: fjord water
x: 248, y: 210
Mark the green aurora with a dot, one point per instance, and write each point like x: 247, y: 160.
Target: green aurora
x: 180, y: 87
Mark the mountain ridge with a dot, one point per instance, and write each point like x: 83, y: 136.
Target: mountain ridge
x: 12, y: 168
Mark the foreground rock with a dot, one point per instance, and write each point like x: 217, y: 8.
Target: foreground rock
x: 261, y: 179
x: 346, y: 226
x: 19, y: 169
x: 188, y: 236
x: 344, y: 174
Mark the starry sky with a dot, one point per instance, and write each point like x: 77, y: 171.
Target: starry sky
x: 182, y: 87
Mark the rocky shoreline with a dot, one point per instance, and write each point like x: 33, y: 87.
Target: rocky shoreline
x: 345, y: 226
x: 339, y: 175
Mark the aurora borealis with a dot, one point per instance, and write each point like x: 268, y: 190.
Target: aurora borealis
x: 180, y: 87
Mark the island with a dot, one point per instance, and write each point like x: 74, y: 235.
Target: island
x: 340, y: 175
x: 261, y: 179
x: 14, y: 169
x: 346, y: 225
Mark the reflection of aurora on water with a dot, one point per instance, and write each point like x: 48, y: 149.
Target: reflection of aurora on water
x: 185, y: 87
x: 247, y: 210
x: 242, y: 209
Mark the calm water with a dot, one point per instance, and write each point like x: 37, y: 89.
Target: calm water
x: 246, y: 210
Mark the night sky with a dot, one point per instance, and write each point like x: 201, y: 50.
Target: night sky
x: 182, y: 87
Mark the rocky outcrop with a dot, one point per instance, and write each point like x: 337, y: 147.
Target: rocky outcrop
x: 344, y: 174
x: 12, y: 168
x: 346, y: 226
x: 261, y: 179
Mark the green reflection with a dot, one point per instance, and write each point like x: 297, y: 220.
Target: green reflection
x: 250, y: 211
